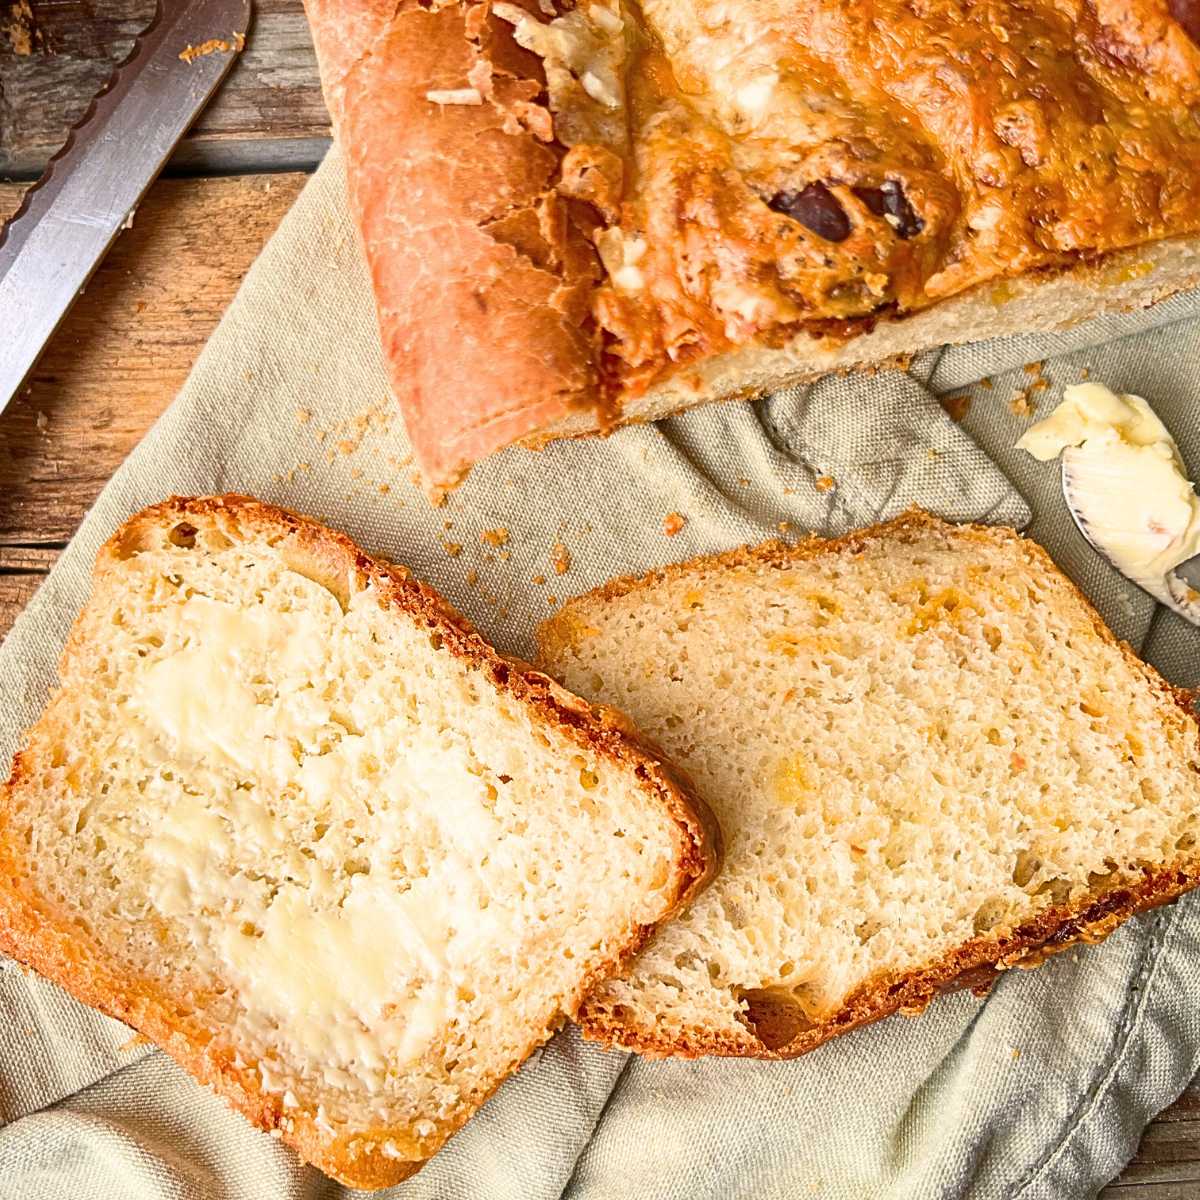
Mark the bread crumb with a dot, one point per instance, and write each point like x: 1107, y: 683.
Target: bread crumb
x: 986, y: 383
x: 356, y: 473
x: 956, y: 407
x: 472, y: 577
x: 1034, y: 368
x: 673, y: 523
x: 539, y: 580
x: 1014, y: 1051
x: 189, y: 54
x: 1019, y: 405
x: 346, y: 446
x: 552, y: 600
x: 560, y: 558
x: 784, y: 526
x: 132, y: 1043
x: 1085, y: 373
x: 825, y: 483
x: 494, y: 537
x: 789, y: 491
x: 384, y: 488
x: 304, y: 415
x: 743, y: 482
x: 454, y: 549
x: 22, y: 32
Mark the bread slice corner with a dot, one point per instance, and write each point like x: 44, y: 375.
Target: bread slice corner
x: 289, y: 816
x: 930, y: 759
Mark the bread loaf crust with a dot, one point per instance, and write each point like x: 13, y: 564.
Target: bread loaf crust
x: 464, y: 233
x: 55, y: 944
x: 976, y: 963
x: 481, y: 192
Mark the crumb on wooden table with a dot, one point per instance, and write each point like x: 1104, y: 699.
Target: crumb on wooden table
x: 673, y: 523
x: 22, y: 31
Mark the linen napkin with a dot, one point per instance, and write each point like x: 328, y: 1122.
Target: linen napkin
x: 1041, y: 1091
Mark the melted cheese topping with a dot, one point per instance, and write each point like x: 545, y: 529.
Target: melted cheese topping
x: 796, y: 162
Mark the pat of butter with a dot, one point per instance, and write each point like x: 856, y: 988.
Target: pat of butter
x: 200, y: 701
x: 1127, y: 480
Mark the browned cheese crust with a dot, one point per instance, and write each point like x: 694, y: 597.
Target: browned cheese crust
x: 571, y: 211
x: 58, y: 946
x: 775, y: 1032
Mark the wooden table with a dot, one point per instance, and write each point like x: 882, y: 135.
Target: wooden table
x: 129, y: 342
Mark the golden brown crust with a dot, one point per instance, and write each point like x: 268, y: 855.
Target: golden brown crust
x: 897, y: 157
x: 976, y: 963
x: 464, y: 232
x: 56, y: 945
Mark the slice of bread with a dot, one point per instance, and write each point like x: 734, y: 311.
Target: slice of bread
x: 930, y: 759
x: 291, y: 818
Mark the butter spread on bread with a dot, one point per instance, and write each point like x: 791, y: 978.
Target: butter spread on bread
x: 292, y: 819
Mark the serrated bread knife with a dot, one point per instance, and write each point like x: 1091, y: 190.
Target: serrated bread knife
x: 69, y: 218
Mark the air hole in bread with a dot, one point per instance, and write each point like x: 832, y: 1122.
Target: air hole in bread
x: 1028, y: 864
x: 866, y: 930
x: 1059, y: 890
x: 989, y: 914
x: 774, y: 1016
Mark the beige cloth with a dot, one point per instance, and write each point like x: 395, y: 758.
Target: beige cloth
x: 1042, y: 1091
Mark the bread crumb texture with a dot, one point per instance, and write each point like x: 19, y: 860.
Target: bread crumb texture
x: 917, y: 742
x: 308, y: 831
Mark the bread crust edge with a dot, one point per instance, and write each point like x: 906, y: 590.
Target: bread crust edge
x: 975, y: 964
x: 34, y: 933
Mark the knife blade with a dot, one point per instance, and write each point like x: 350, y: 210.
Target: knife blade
x: 70, y: 217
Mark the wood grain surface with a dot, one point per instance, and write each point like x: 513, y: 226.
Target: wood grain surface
x: 120, y: 357
x: 70, y: 47
x: 129, y: 342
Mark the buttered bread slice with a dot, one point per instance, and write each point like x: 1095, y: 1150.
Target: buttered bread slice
x: 290, y: 817
x: 930, y: 760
